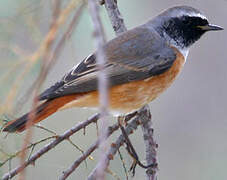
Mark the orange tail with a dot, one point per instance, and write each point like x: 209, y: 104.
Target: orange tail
x: 43, y: 111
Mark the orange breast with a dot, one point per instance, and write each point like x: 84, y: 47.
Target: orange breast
x: 132, y: 96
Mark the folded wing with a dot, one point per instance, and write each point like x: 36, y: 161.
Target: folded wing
x: 135, y: 55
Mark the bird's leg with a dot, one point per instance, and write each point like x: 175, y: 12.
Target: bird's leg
x: 131, y: 149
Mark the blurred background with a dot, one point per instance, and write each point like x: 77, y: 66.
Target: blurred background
x: 189, y: 118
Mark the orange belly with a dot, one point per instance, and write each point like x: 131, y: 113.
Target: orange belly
x: 132, y: 96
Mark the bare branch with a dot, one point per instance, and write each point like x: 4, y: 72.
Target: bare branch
x: 135, y: 122
x: 102, y: 86
x: 150, y: 144
x: 50, y: 146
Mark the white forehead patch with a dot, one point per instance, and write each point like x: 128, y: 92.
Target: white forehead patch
x: 191, y: 14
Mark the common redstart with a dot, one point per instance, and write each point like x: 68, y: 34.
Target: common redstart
x: 141, y: 64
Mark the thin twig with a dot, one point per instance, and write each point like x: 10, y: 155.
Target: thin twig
x: 11, y: 156
x: 50, y: 146
x: 123, y: 164
x: 45, y: 129
x: 99, y: 36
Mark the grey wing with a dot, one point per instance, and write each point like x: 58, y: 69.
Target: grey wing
x: 135, y: 55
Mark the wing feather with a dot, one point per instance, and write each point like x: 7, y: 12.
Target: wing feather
x: 135, y: 55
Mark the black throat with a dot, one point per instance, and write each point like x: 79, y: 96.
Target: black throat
x: 183, y: 30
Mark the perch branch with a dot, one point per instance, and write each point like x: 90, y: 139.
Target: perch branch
x: 150, y: 144
x: 131, y: 127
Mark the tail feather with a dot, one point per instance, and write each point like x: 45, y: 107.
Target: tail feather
x: 43, y: 111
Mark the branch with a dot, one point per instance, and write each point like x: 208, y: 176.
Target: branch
x: 102, y: 86
x: 115, y: 16
x: 131, y: 127
x: 50, y: 146
x: 150, y: 144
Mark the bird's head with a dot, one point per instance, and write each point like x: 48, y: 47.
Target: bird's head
x: 183, y: 25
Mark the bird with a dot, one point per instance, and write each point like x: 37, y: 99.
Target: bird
x: 141, y: 64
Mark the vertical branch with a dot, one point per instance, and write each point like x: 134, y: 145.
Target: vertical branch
x: 151, y: 154
x: 102, y: 86
x: 150, y: 144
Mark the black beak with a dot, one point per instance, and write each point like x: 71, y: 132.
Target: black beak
x: 211, y: 27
